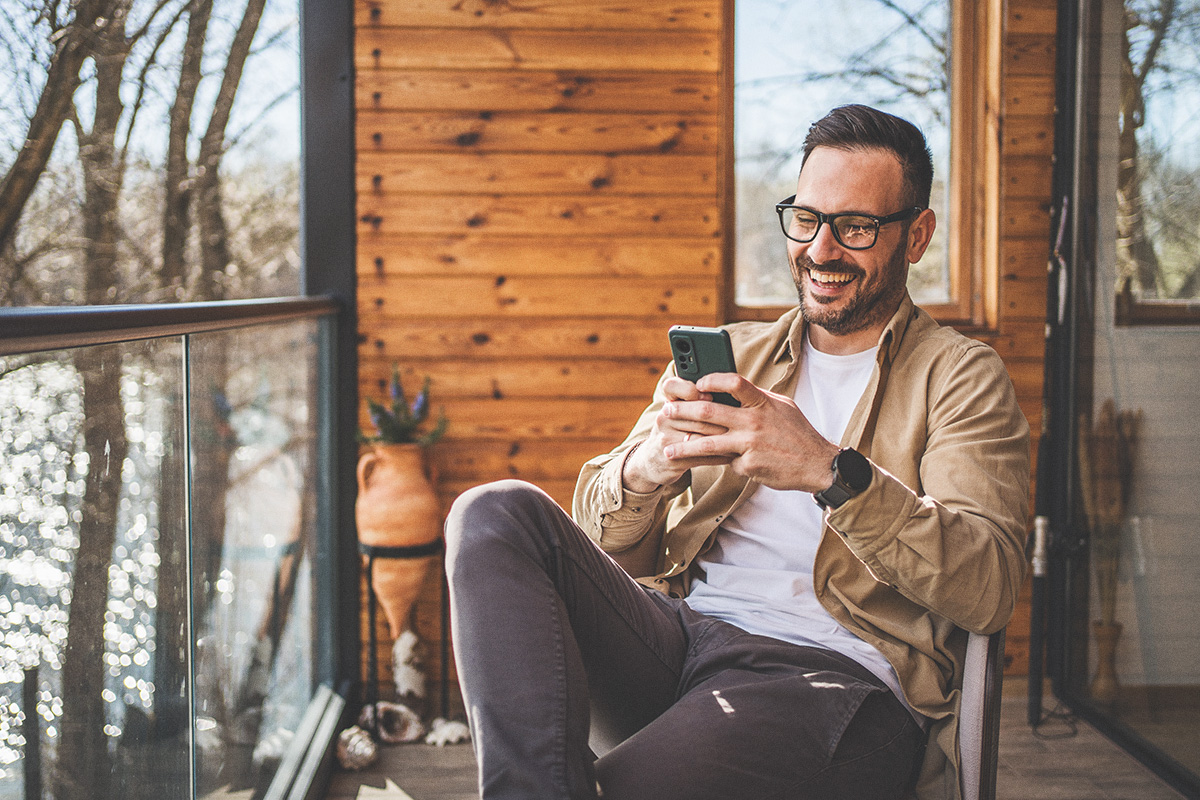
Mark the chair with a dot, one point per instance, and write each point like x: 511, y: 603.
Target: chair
x: 979, y: 724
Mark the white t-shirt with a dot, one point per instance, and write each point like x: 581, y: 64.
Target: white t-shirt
x: 758, y: 575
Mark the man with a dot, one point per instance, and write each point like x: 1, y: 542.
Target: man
x: 780, y: 647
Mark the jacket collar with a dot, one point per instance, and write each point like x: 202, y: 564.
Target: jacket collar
x: 791, y: 344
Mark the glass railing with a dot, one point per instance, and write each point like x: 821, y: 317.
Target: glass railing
x: 159, y: 518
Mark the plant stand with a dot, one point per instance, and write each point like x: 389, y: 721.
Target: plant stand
x: 372, y: 552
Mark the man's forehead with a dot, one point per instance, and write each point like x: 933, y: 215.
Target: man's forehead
x: 860, y: 179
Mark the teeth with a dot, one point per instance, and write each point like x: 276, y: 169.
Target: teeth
x: 830, y: 277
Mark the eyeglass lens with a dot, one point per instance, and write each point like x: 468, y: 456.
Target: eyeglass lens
x: 850, y: 230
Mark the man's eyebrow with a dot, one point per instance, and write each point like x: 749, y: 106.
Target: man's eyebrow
x: 833, y: 213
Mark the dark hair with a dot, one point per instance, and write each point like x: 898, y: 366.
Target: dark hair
x: 857, y: 127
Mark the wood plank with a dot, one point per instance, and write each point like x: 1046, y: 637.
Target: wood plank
x: 1029, y: 54
x: 567, y: 376
x: 1025, y: 256
x: 521, y: 418
x: 1027, y: 376
x: 1025, y: 219
x: 496, y: 48
x: 1017, y: 339
x: 1029, y: 96
x: 467, y: 297
x: 526, y: 459
x: 1032, y: 408
x: 1025, y: 177
x: 560, y: 490
x: 1029, y: 135
x: 1031, y: 16
x: 380, y: 175
x: 677, y: 215
x: 392, y: 337
x: 1023, y: 298
x: 536, y: 132
x: 653, y: 15
x: 530, y: 90
x: 642, y: 256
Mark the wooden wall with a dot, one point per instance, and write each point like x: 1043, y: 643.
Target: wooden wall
x: 538, y: 198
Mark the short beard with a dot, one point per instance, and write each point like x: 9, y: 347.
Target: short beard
x: 871, y: 304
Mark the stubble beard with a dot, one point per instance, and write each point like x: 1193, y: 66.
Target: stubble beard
x: 870, y: 304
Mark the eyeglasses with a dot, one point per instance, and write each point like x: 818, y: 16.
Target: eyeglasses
x: 852, y: 231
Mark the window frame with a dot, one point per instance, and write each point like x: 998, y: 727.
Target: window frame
x: 974, y: 186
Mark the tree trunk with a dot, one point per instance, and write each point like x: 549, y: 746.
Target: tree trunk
x: 178, y: 196
x: 215, y: 446
x: 75, y: 44
x: 1136, y: 258
x: 84, y: 767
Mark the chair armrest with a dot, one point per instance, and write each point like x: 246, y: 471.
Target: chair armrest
x: 979, y: 723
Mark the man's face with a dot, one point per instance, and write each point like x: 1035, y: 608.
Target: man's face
x: 847, y: 291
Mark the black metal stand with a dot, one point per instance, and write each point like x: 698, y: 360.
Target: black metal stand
x: 372, y: 552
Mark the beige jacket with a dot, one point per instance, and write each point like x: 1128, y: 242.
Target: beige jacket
x: 932, y: 549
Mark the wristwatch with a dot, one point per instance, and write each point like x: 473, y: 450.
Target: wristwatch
x: 851, y: 476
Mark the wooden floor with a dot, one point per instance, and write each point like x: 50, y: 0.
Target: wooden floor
x: 1085, y: 766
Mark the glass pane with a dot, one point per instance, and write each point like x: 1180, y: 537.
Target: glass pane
x: 92, y: 580
x: 1137, y: 647
x: 1157, y: 53
x: 174, y: 175
x: 253, y: 433
x: 796, y: 61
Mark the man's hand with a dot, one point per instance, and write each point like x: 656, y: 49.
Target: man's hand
x: 648, y: 467
x: 767, y: 439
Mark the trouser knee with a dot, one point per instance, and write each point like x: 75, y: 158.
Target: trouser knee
x: 502, y: 513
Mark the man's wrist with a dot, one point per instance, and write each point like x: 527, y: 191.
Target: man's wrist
x: 630, y: 480
x: 851, y: 474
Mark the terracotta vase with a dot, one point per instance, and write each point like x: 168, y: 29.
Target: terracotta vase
x: 397, y: 507
x: 1104, y: 687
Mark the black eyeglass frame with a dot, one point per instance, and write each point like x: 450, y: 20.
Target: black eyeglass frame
x: 878, y: 222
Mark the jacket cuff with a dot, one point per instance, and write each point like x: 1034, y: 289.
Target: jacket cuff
x: 624, y: 515
x: 872, y: 520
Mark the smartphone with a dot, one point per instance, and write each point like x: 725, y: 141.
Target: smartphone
x: 701, y: 351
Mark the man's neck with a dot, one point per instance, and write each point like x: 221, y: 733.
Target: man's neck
x: 845, y: 344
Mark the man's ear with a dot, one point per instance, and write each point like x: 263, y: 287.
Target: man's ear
x: 920, y: 233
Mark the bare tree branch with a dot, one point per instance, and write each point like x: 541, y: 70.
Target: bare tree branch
x: 75, y: 42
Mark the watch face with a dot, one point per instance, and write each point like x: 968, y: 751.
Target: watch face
x: 853, y: 468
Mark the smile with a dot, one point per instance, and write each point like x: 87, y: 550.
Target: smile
x: 830, y: 278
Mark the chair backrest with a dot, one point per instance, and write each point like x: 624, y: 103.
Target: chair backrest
x: 979, y: 723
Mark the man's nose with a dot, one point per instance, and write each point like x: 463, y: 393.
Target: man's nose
x: 824, y: 247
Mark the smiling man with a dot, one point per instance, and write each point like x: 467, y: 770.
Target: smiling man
x: 809, y: 562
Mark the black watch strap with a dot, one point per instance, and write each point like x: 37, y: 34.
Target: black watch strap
x: 851, y: 476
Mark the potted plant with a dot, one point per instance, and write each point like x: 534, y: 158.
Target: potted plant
x: 399, y: 518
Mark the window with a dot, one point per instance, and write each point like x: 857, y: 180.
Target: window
x: 173, y: 172
x: 167, y: 498
x: 934, y: 63
x: 1147, y: 80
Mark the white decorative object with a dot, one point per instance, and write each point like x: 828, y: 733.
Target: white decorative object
x: 447, y: 731
x: 406, y: 666
x: 356, y: 749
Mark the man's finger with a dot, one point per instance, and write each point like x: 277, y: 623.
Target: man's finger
x: 680, y: 389
x: 742, y: 390
x: 697, y: 449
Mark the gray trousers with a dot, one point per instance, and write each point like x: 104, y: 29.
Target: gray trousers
x: 560, y: 656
